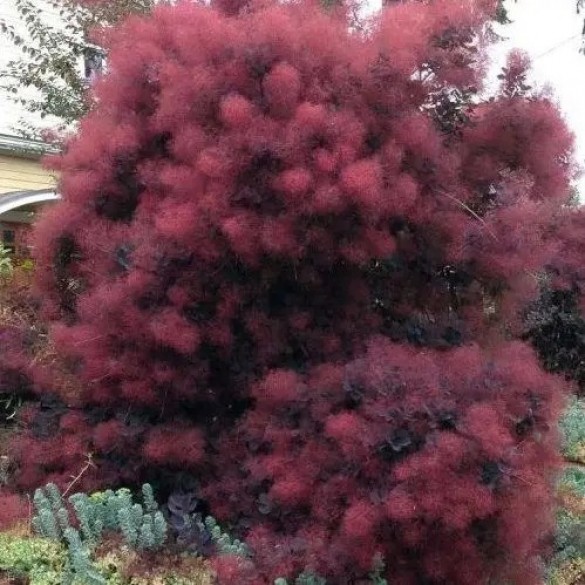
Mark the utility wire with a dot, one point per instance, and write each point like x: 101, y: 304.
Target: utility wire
x: 555, y: 47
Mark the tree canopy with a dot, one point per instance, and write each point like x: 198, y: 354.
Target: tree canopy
x: 54, y: 39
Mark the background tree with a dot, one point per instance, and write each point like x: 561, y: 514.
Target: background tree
x: 55, y: 56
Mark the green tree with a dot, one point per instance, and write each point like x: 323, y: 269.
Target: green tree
x: 52, y: 56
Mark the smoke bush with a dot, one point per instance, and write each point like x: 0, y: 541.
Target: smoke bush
x: 287, y: 262
x: 396, y: 453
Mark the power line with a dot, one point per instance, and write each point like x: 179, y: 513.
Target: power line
x: 555, y: 47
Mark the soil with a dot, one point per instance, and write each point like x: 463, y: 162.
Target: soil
x: 6, y: 579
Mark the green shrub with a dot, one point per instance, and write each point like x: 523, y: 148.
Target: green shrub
x: 570, y: 538
x: 567, y: 565
x: 142, y: 526
x: 573, y: 480
x: 71, y: 547
x: 572, y: 427
x: 43, y: 561
x: 225, y: 544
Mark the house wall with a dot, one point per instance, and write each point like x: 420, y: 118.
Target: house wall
x: 18, y: 172
x: 21, y: 174
x: 16, y: 236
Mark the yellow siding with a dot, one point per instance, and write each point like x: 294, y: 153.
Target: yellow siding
x: 20, y: 174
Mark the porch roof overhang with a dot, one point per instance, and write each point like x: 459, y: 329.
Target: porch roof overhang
x: 16, y: 199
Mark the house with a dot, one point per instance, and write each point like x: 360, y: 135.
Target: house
x: 25, y: 187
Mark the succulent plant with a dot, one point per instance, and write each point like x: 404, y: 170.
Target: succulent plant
x: 186, y: 523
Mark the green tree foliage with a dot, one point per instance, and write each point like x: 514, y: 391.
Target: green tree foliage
x: 52, y: 56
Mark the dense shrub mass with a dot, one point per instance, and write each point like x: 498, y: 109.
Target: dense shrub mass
x: 14, y: 383
x: 30, y: 368
x: 556, y: 329
x: 290, y: 260
x: 396, y: 452
x: 19, y: 338
x: 555, y: 323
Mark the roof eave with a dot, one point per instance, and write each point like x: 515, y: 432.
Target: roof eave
x: 24, y: 148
